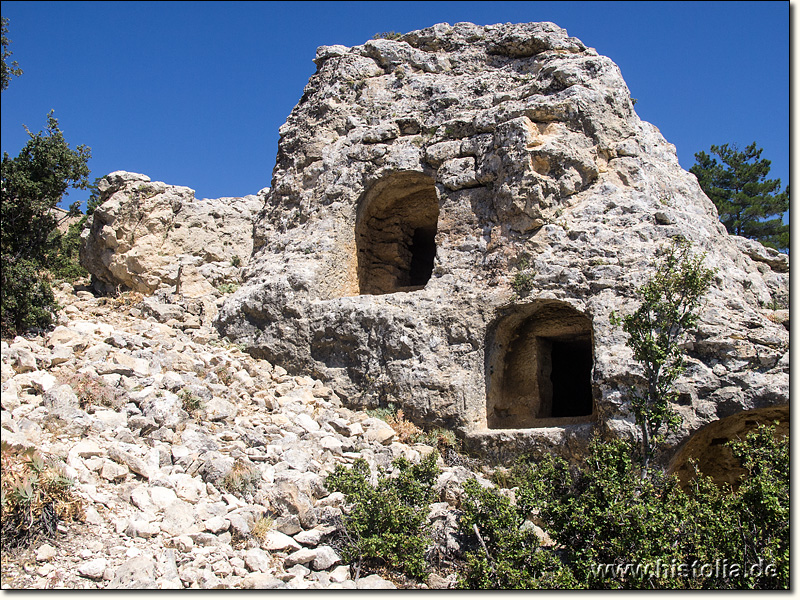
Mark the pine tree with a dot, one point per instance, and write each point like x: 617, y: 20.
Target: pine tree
x: 749, y: 204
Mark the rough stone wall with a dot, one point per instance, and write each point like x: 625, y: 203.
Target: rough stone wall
x: 145, y: 235
x: 542, y: 171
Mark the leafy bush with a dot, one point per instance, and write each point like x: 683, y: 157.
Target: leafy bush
x: 605, y: 513
x: 64, y: 260
x: 27, y: 300
x: 33, y: 184
x: 617, y: 529
x: 387, y: 524
x: 35, y: 496
x: 669, y: 303
x: 505, y: 552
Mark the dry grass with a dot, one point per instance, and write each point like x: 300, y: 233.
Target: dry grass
x: 92, y: 390
x: 261, y: 527
x: 36, y: 495
x: 409, y: 433
x: 406, y: 431
x: 241, y: 479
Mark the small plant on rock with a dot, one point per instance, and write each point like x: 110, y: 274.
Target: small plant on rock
x: 387, y: 35
x: 523, y: 282
x: 93, y: 391
x: 261, y: 527
x: 190, y: 402
x: 241, y: 479
x: 227, y: 288
x: 35, y: 496
x: 382, y: 412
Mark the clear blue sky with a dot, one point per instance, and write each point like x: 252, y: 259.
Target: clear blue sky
x: 193, y: 93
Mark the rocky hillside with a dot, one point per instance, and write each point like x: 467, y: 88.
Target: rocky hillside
x: 197, y: 466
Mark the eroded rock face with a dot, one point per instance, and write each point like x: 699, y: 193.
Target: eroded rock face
x: 146, y: 235
x: 436, y: 197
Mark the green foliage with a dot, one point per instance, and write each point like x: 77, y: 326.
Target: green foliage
x: 383, y: 413
x: 64, y: 260
x: 523, y: 282
x: 94, y: 197
x: 745, y: 198
x: 387, y: 35
x: 227, y: 288
x: 505, y: 552
x: 611, y: 528
x: 190, y: 402
x: 669, y: 301
x: 438, y: 437
x: 387, y: 524
x: 409, y: 433
x: 605, y: 513
x: 26, y: 298
x: 7, y: 71
x: 33, y: 183
x: 759, y: 509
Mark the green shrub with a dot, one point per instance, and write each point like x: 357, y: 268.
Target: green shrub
x: 64, y: 260
x: 387, y: 524
x: 617, y: 529
x: 190, y: 402
x: 669, y: 306
x: 382, y: 412
x: 27, y: 298
x: 524, y: 278
x: 504, y: 551
x: 33, y: 184
x: 605, y: 513
x: 227, y: 288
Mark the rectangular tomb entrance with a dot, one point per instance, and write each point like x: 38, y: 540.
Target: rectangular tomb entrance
x: 539, y: 367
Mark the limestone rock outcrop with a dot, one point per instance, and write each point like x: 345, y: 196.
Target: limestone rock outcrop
x: 145, y: 235
x: 455, y: 215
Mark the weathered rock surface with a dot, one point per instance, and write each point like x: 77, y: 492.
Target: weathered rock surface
x: 456, y: 214
x: 146, y: 235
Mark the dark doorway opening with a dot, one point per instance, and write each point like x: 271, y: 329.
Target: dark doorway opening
x: 571, y: 378
x: 396, y: 234
x: 423, y: 251
x: 539, y: 363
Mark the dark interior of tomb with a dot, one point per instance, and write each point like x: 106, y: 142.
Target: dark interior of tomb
x: 571, y: 377
x: 423, y: 251
x: 396, y: 236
